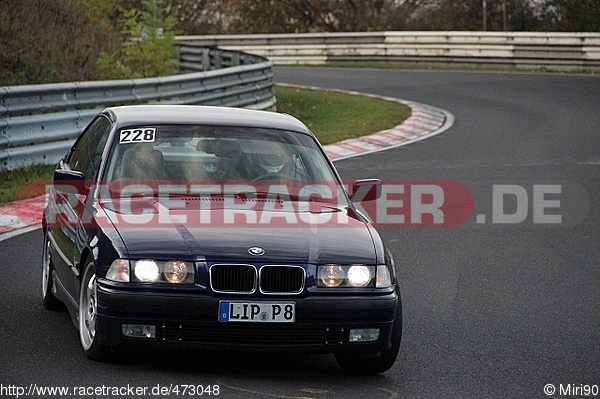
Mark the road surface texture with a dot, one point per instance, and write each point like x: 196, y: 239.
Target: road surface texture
x: 491, y: 308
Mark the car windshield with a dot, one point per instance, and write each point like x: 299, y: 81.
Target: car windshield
x: 197, y: 155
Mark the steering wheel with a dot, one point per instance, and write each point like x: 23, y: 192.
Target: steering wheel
x: 274, y: 176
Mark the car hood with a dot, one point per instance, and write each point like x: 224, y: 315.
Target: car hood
x: 331, y: 235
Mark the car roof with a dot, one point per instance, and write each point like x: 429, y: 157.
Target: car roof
x: 202, y: 115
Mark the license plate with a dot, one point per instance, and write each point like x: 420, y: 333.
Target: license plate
x: 257, y: 312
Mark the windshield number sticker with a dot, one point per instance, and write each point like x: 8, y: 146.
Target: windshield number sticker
x: 137, y: 135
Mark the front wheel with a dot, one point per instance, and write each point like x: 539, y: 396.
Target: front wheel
x: 88, y: 316
x: 48, y: 299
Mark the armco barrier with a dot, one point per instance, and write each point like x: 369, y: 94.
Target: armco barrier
x: 551, y: 51
x: 38, y: 123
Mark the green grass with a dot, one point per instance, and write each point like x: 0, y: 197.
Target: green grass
x: 331, y: 116
x: 24, y: 183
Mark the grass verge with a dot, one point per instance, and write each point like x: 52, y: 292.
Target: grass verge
x: 24, y: 183
x: 334, y: 117
x: 331, y: 116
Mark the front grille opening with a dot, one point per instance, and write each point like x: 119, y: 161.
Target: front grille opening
x: 233, y: 278
x: 281, y: 280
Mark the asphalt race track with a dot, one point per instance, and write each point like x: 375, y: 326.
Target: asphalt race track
x: 492, y: 309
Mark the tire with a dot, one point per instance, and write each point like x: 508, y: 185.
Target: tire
x: 88, y: 317
x: 48, y: 299
x: 365, y: 364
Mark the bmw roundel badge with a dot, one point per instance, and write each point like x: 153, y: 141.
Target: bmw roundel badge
x: 256, y: 251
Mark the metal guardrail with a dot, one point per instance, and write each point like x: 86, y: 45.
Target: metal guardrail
x: 38, y: 123
x: 551, y: 51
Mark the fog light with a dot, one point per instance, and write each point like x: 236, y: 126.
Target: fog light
x: 139, y: 331
x: 364, y: 335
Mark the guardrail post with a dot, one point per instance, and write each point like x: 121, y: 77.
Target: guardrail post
x: 205, y: 59
x: 246, y: 59
x: 177, y: 53
x: 235, y: 59
x: 217, y: 59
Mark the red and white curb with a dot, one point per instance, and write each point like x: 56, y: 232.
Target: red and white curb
x: 21, y: 216
x: 425, y: 121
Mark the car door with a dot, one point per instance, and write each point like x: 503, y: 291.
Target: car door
x: 69, y: 232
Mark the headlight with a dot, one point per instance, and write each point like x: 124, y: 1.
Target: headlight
x: 151, y: 271
x: 175, y: 271
x: 359, y: 276
x: 353, y: 276
x: 146, y: 271
x: 331, y: 276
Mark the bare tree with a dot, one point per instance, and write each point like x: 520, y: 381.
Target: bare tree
x: 569, y: 15
x: 202, y: 16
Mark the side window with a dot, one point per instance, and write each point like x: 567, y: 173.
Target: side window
x: 87, y: 153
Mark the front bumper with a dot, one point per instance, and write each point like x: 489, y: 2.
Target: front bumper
x: 322, y: 322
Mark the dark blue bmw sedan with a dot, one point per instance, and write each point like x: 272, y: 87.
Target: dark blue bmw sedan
x: 216, y: 229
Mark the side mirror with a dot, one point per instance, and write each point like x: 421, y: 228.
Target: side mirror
x: 70, y: 178
x: 365, y: 190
